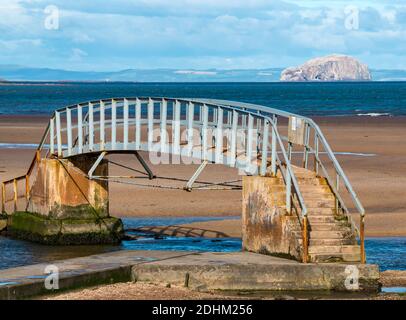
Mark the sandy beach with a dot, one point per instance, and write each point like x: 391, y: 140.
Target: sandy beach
x: 379, y: 179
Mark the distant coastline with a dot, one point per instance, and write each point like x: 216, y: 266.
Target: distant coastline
x: 18, y: 74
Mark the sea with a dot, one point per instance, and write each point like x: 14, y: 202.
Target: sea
x: 308, y: 99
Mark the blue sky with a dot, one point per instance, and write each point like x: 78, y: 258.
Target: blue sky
x: 120, y: 34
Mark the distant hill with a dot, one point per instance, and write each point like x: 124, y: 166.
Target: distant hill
x: 21, y: 73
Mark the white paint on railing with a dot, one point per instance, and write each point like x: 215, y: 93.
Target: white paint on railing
x: 265, y: 138
x: 150, y: 123
x: 91, y: 127
x: 125, y: 129
x: 138, y: 124
x: 113, y: 124
x: 219, y: 136
x: 58, y: 133
x: 69, y: 130
x: 190, y: 127
x: 176, y: 126
x: 233, y: 142
x: 164, y: 112
x: 101, y: 126
x: 51, y: 135
x: 80, y: 129
x: 205, y: 120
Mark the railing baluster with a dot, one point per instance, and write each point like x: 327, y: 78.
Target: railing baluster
x: 91, y: 127
x: 150, y: 123
x: 52, y: 135
x: 176, y: 125
x: 233, y: 142
x: 58, y: 133
x: 102, y: 120
x: 113, y: 124
x: 306, y: 146
x: 265, y: 136
x: 80, y: 129
x: 69, y: 129
x: 125, y: 133
x: 3, y: 197
x: 249, y: 140
x: 219, y: 136
x: 316, y: 153
x: 273, y: 154
x: 138, y: 124
x: 164, y: 111
x: 204, y: 131
x: 15, y: 194
x: 288, y: 190
x: 27, y: 187
x: 338, y: 190
x: 191, y: 114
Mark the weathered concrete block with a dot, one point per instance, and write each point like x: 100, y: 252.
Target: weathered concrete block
x: 266, y: 226
x: 65, y: 207
x: 37, y: 228
x: 62, y: 190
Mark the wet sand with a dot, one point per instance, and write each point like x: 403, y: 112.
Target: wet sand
x: 379, y: 180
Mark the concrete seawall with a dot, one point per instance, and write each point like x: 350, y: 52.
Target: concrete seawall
x: 199, y: 271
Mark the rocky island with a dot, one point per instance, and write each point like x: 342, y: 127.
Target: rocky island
x: 329, y: 68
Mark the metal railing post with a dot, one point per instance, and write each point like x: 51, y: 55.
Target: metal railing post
x: 27, y: 187
x: 362, y: 238
x: 273, y: 155
x: 305, y: 240
x: 138, y: 124
x: 264, y: 161
x: 219, y: 136
x: 80, y: 129
x: 316, y: 153
x: 288, y: 190
x: 125, y: 129
x: 164, y: 112
x: 15, y: 194
x: 3, y: 197
x: 113, y: 124
x: 101, y: 126
x: 150, y: 128
x: 58, y: 133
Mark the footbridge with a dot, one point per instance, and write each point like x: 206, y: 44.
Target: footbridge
x: 294, y: 189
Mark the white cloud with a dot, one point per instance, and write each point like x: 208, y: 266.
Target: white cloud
x: 197, y: 34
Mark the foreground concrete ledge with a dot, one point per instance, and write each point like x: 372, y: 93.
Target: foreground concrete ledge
x: 201, y: 271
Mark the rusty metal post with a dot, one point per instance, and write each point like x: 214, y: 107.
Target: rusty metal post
x: 305, y: 240
x: 3, y: 197
x: 38, y: 156
x: 15, y: 194
x: 27, y: 187
x: 362, y: 238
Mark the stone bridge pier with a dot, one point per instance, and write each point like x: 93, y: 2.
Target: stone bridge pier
x: 65, y: 207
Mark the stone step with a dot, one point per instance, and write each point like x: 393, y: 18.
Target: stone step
x: 320, y: 211
x: 304, y: 188
x: 335, y: 257
x: 328, y: 227
x: 328, y: 234
x: 312, y: 181
x: 313, y: 218
x: 331, y: 242
x: 315, y: 196
x: 347, y: 249
x: 320, y: 203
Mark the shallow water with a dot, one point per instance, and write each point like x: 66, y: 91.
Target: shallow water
x: 388, y: 253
